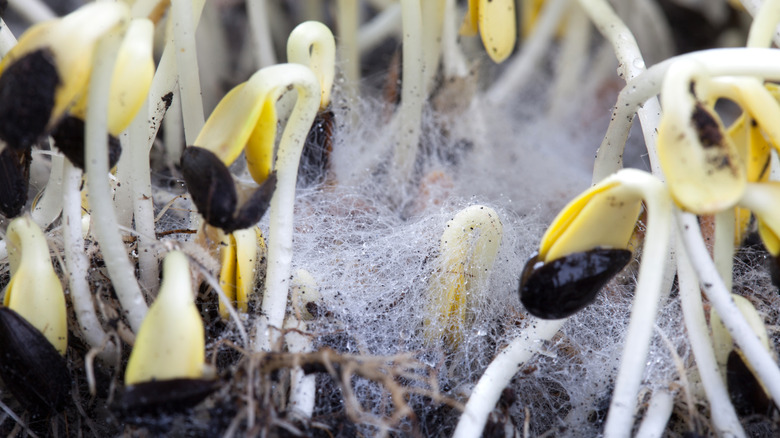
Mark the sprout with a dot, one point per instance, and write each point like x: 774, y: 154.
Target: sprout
x: 59, y: 52
x: 495, y: 20
x: 467, y: 251
x: 311, y: 43
x: 40, y: 78
x: 243, y: 262
x: 170, y: 343
x: 35, y: 292
x: 33, y: 325
x: 583, y: 248
x: 167, y: 370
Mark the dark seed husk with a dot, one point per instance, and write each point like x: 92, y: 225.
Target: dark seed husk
x: 214, y: 193
x: 31, y: 368
x: 746, y: 393
x: 14, y: 180
x: 69, y: 138
x: 255, y: 207
x: 164, y: 396
x: 210, y: 184
x: 27, y: 89
x: 564, y: 286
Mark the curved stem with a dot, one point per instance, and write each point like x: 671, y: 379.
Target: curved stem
x: 722, y: 411
x: 764, y: 63
x: 720, y: 298
x: 280, y: 233
x: 646, y: 297
x: 630, y: 64
x: 311, y: 44
x: 115, y: 256
x: 500, y: 372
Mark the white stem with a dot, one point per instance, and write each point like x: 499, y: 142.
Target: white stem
x: 412, y: 92
x: 77, y: 264
x: 348, y: 21
x: 723, y: 248
x: 722, y: 411
x: 257, y: 13
x: 121, y: 271
x: 721, y: 300
x: 143, y: 204
x: 453, y: 61
x: 630, y: 65
x: 382, y: 26
x: 764, y: 24
x: 657, y: 415
x: 32, y: 11
x: 500, y: 372
x: 519, y: 70
x: 433, y: 11
x: 187, y: 65
x: 620, y: 418
x: 7, y: 39
x: 49, y: 205
x: 303, y: 389
x: 571, y: 62
x: 123, y: 193
x: 280, y: 234
x: 173, y: 135
x: 761, y: 62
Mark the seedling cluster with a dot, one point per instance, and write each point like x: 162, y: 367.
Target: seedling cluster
x: 346, y: 244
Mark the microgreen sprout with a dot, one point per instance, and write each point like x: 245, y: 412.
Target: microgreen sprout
x: 468, y: 249
x: 419, y: 327
x: 34, y: 291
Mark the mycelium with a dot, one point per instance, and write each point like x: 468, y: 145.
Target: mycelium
x: 465, y: 139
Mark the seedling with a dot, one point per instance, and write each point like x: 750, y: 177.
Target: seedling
x: 33, y: 323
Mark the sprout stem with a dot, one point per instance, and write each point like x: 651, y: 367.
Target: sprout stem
x: 7, y: 39
x: 183, y: 12
x: 759, y: 62
x: 720, y: 298
x: 723, y: 415
x: 646, y: 298
x: 32, y: 11
x: 143, y: 204
x: 657, y: 415
x: 384, y: 24
x: 77, y: 264
x: 630, y: 65
x: 763, y: 28
x: 280, y: 234
x: 412, y: 91
x: 49, y: 205
x: 105, y: 225
x: 500, y: 372
x: 257, y: 12
x: 348, y: 21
